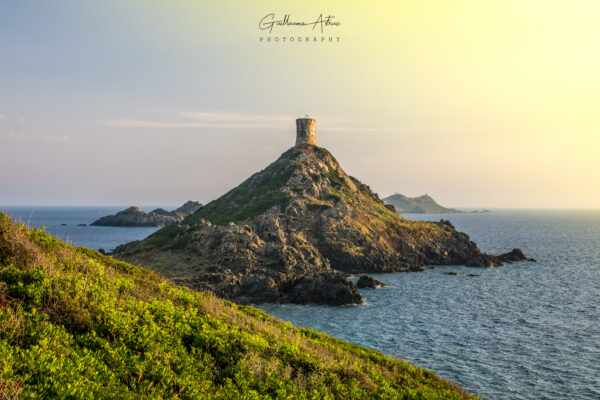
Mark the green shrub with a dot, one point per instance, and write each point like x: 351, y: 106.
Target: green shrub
x: 86, y: 326
x: 44, y: 239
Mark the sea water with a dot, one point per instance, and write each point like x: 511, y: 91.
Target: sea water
x: 521, y: 331
x: 65, y: 223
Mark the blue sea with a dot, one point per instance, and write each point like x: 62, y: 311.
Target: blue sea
x: 522, y: 331
x: 64, y: 222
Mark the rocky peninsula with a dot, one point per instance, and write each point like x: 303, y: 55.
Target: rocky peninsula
x: 294, y: 231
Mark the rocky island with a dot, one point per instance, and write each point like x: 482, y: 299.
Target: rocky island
x: 133, y: 216
x: 417, y: 205
x: 294, y: 231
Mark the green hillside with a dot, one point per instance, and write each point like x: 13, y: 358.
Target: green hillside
x: 75, y: 324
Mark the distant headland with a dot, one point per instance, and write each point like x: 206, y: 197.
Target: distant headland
x: 134, y: 217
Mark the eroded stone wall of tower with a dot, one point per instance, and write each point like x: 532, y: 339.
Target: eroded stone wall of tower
x: 306, y: 131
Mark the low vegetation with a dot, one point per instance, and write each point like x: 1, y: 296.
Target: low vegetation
x: 76, y: 324
x: 253, y: 197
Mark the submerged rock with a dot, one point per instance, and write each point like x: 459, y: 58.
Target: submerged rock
x: 450, y: 273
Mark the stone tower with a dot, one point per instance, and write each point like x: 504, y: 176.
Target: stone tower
x: 306, y: 132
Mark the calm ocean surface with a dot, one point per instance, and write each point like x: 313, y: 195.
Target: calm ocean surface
x: 522, y: 331
x: 94, y: 237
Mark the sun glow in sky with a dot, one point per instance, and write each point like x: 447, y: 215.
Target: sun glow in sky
x: 479, y: 104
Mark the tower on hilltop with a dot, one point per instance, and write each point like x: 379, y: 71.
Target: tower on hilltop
x: 306, y: 132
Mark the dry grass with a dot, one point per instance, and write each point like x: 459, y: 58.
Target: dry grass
x: 10, y: 388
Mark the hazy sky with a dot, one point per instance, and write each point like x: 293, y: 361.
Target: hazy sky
x: 478, y: 103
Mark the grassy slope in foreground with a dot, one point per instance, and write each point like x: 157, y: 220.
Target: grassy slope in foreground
x: 75, y: 324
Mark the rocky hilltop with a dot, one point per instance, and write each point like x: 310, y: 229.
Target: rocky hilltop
x: 417, y: 205
x: 133, y: 216
x: 292, y: 232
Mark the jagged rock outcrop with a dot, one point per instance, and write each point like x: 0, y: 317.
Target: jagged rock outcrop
x: 487, y: 260
x: 366, y: 282
x: 134, y: 217
x: 292, y: 232
x: 187, y: 208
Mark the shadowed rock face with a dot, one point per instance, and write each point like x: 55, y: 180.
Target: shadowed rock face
x: 133, y: 216
x: 291, y: 233
x: 366, y: 282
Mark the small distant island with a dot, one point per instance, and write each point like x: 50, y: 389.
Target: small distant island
x: 417, y: 205
x: 134, y: 217
x: 424, y: 204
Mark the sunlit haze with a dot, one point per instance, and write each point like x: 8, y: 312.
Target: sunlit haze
x: 478, y: 104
